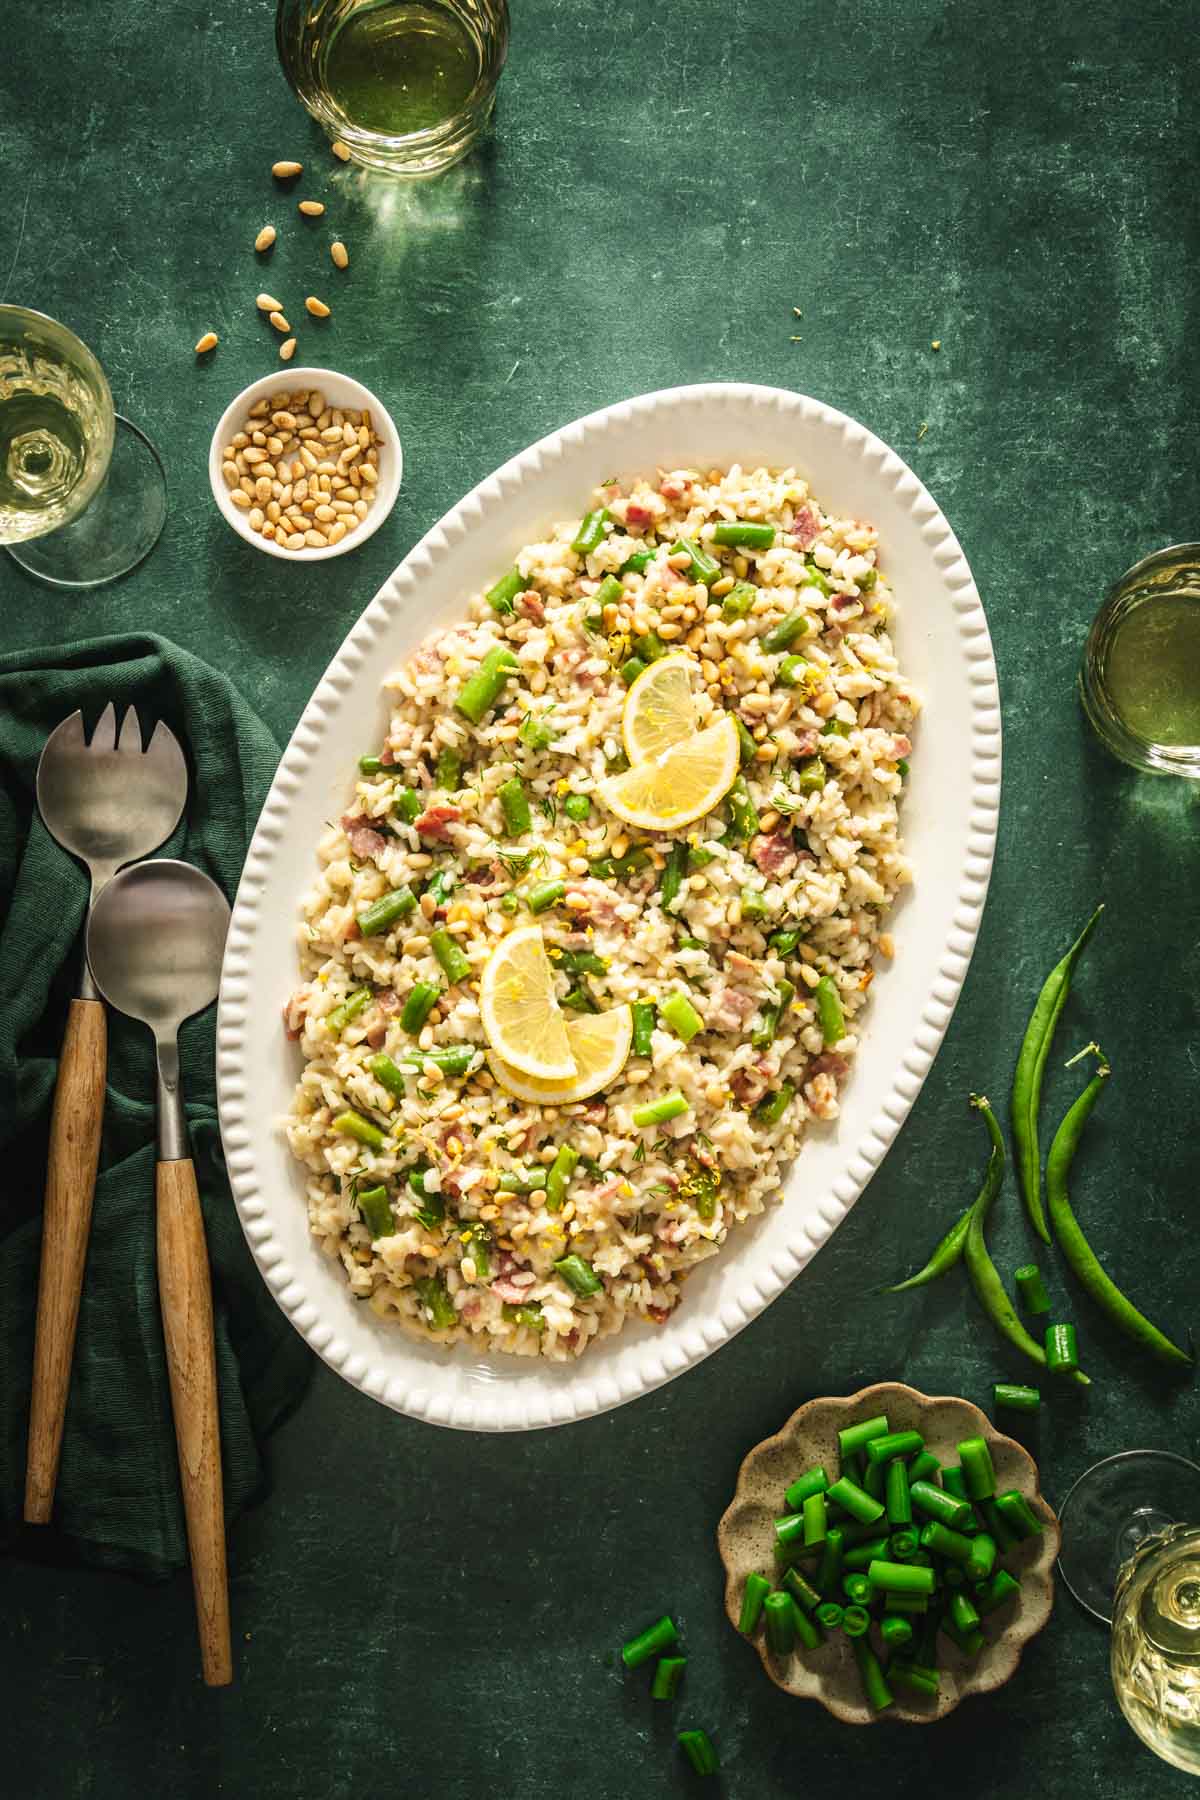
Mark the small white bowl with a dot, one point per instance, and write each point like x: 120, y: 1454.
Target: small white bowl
x: 339, y: 390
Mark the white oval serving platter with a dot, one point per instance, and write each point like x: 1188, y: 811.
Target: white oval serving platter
x: 948, y: 820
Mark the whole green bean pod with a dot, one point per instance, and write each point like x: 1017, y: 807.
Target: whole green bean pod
x: 1081, y: 1258
x: 945, y: 1255
x: 985, y: 1277
x: 1027, y: 1079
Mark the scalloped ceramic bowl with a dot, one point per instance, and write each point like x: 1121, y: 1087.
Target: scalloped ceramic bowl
x: 746, y: 1538
x: 949, y: 825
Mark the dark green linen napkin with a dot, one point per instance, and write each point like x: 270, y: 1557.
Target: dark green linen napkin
x: 118, y: 1501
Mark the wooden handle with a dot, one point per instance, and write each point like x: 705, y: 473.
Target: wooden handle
x: 185, y: 1291
x: 70, y: 1185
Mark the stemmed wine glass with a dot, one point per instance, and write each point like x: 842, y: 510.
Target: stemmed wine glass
x: 82, y: 493
x: 1131, y: 1561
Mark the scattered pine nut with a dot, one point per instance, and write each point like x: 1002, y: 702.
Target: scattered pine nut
x: 287, y: 350
x: 265, y: 238
x: 339, y: 253
x: 208, y: 342
x: 312, y: 209
x: 340, y: 150
x: 316, y: 307
x: 267, y: 303
x: 283, y: 170
x: 279, y: 322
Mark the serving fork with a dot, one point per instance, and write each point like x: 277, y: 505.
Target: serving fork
x: 108, y: 801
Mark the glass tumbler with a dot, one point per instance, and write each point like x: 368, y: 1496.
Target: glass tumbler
x: 407, y: 85
x: 1140, y: 677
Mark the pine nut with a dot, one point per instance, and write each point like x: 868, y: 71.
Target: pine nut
x: 231, y: 473
x: 312, y: 209
x: 340, y: 150
x: 283, y: 170
x: 326, y: 514
x: 316, y: 307
x: 287, y: 349
x: 316, y: 405
x: 339, y: 253
x: 267, y: 303
x: 316, y: 540
x: 262, y: 489
x: 371, y: 476
x: 279, y: 322
x: 239, y: 440
x: 295, y: 540
x: 337, y: 532
x: 255, y: 518
x: 240, y: 499
x: 265, y: 238
x: 260, y: 409
x: 209, y: 341
x: 274, y: 511
x: 268, y: 530
x: 246, y: 486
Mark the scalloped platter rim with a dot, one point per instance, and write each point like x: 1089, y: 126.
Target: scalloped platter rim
x: 949, y: 823
x: 828, y: 1675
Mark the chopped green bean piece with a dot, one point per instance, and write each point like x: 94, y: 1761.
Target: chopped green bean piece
x: 771, y: 1109
x: 739, y: 601
x: 811, y: 775
x: 376, y: 1213
x: 370, y: 765
x: 829, y: 1570
x: 815, y: 1522
x: 448, y: 773
x: 501, y: 595
x: 896, y: 1631
x: 994, y: 1592
x: 351, y: 1006
x: 784, y: 942
x: 1062, y: 1357
x: 1015, y: 1397
x: 667, y: 1675
x: 755, y: 1592
x: 631, y: 668
x: 514, y: 804
x: 608, y: 593
x: 451, y: 1059
x: 677, y: 1012
x: 814, y: 578
x: 408, y: 805
x: 890, y: 1444
x: 704, y: 567
x: 526, y: 1312
x: 545, y: 894
x: 829, y: 1011
x: 802, y: 1591
x: 742, y: 814
x: 650, y: 647
x: 659, y: 1112
x: 383, y: 913
x: 419, y: 1003
x: 855, y: 1500
x: 480, y: 692
x: 673, y: 874
x: 835, y: 728
x: 779, y: 1613
x: 923, y: 1467
x: 698, y: 1748
x: 1032, y: 1289
x: 431, y: 1291
x: 352, y: 1124
x: 771, y: 1015
x: 637, y: 562
x: 978, y: 1473
x: 747, y: 748
x: 643, y: 1026
x: 453, y: 962
x: 901, y: 1578
x: 861, y: 1556
x: 656, y: 1638
x: 744, y: 531
x: 591, y: 531
x: 579, y: 1275
x: 829, y: 1615
x: 559, y: 1177
x: 791, y: 671
x: 754, y: 905
x: 782, y: 636
x: 387, y: 1074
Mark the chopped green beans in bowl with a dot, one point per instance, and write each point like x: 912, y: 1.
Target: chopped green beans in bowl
x: 913, y: 1546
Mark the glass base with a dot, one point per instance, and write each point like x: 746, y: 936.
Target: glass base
x: 117, y: 529
x: 1111, y: 1510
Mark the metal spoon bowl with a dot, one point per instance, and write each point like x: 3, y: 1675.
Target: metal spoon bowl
x: 155, y: 941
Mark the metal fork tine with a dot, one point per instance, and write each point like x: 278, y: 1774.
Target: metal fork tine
x: 129, y: 739
x: 105, y: 735
x: 164, y: 745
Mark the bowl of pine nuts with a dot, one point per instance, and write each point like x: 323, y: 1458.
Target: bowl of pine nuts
x: 305, y: 466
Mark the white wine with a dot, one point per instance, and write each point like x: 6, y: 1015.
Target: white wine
x: 1156, y: 1645
x: 56, y: 425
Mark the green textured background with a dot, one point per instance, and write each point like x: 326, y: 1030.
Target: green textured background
x: 419, y: 1612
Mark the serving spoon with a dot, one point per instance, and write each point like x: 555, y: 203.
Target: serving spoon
x: 108, y: 801
x: 155, y: 941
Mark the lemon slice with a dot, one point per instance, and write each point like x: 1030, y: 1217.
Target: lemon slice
x: 600, y: 1045
x: 519, y: 1011
x: 659, y: 708
x: 679, y: 786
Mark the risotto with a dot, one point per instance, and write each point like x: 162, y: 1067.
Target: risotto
x: 456, y: 1208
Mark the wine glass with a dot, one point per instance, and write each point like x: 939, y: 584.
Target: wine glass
x: 82, y: 493
x: 1131, y: 1563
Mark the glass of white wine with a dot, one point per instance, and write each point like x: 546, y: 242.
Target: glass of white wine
x: 82, y: 493
x: 1130, y: 1561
